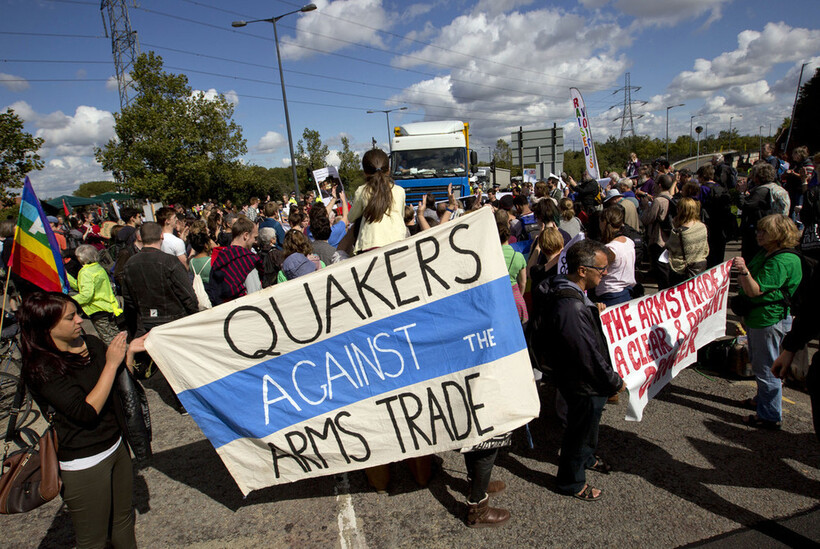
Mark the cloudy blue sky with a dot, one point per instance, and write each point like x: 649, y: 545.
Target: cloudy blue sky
x: 495, y: 63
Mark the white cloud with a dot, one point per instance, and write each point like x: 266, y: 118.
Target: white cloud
x: 496, y: 7
x: 65, y: 174
x: 756, y: 54
x: 211, y: 94
x: 76, y: 135
x: 667, y: 12
x: 112, y: 84
x: 23, y: 110
x: 13, y: 82
x: 334, y: 26
x: 270, y: 142
x: 788, y: 84
x: 285, y: 163
x: 333, y: 158
x: 416, y: 10
x: 515, y: 67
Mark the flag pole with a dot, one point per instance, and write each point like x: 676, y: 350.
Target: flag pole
x: 5, y: 296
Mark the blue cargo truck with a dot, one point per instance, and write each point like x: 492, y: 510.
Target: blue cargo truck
x: 426, y: 157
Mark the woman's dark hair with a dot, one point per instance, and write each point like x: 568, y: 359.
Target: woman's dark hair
x: 545, y: 211
x: 319, y: 223
x: 42, y: 360
x: 295, y: 218
x: 7, y: 228
x: 378, y: 183
x: 199, y: 241
x: 214, y: 222
x: 613, y: 219
x: 296, y: 242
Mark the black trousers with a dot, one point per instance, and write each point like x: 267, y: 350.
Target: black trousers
x: 660, y: 270
x: 479, y: 468
x: 717, y: 245
x: 580, y: 441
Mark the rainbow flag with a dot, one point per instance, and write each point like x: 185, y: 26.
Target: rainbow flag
x: 35, y: 255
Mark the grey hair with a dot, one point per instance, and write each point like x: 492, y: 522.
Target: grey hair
x: 625, y: 184
x: 266, y: 235
x: 86, y: 254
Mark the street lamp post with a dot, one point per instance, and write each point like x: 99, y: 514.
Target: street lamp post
x: 691, y: 118
x: 667, y: 127
x: 730, y: 132
x: 273, y: 20
x: 760, y: 138
x: 387, y: 114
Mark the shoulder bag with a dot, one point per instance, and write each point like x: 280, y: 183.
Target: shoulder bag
x: 30, y: 476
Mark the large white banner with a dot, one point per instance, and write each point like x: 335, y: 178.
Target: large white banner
x: 652, y: 338
x: 408, y: 350
x: 590, y: 158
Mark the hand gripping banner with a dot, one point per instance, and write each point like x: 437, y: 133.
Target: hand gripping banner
x: 408, y: 350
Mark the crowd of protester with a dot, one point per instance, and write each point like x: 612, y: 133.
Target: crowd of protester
x: 643, y: 223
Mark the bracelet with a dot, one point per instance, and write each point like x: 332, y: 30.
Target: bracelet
x: 451, y: 211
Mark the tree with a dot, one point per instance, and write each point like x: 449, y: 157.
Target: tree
x: 170, y: 144
x: 502, y: 154
x: 93, y: 188
x: 311, y: 154
x: 350, y: 168
x: 18, y: 153
x: 806, y: 115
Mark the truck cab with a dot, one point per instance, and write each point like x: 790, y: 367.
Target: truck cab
x: 426, y: 157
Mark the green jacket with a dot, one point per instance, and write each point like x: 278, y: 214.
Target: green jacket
x: 94, y: 290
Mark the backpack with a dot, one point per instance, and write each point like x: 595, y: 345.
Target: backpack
x: 780, y: 168
x: 717, y: 210
x: 800, y: 299
x: 757, y: 206
x: 541, y: 357
x: 641, y: 247
x: 202, y: 297
x: 272, y: 264
x: 671, y: 212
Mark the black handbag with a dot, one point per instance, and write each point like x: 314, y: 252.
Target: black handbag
x: 29, y: 477
x: 134, y: 416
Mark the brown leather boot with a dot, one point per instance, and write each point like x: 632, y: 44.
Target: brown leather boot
x: 481, y: 515
x: 494, y: 487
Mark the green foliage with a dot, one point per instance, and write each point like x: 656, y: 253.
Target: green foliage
x: 93, y: 188
x: 350, y: 168
x: 250, y: 181
x: 311, y: 154
x: 171, y: 145
x: 806, y: 115
x: 18, y: 153
x: 502, y: 154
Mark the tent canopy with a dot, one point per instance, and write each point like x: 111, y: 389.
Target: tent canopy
x: 73, y: 201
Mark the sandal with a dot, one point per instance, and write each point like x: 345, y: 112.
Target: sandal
x: 754, y: 421
x: 601, y: 466
x: 587, y: 495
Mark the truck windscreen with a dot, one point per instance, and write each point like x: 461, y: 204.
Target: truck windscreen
x: 429, y: 163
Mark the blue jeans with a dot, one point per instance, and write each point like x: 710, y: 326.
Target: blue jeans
x: 764, y: 346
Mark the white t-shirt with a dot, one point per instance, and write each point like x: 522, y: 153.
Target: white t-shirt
x: 621, y: 273
x: 172, y: 245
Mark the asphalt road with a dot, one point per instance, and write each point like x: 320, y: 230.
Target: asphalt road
x: 689, y: 474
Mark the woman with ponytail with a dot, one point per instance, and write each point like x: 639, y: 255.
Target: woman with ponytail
x: 379, y: 203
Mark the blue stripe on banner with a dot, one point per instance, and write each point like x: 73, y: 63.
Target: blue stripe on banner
x: 395, y: 352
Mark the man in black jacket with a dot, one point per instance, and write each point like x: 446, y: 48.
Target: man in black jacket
x: 571, y: 331
x: 155, y: 290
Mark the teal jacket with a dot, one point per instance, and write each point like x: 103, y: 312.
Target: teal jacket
x: 94, y: 290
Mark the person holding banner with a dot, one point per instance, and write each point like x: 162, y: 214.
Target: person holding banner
x: 73, y: 376
x: 570, y: 328
x: 768, y: 282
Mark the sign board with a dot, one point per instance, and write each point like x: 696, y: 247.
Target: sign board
x: 407, y: 350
